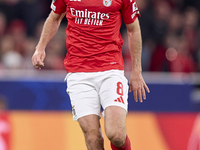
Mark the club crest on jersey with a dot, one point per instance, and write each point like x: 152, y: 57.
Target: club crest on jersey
x: 107, y: 3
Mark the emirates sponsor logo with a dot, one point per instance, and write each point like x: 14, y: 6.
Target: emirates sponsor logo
x: 89, y: 17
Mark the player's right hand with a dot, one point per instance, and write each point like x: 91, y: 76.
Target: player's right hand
x: 38, y: 58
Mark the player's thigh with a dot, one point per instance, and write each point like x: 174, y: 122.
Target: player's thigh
x: 90, y: 124
x: 115, y: 122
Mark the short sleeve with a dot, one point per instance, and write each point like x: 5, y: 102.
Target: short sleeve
x: 58, y: 6
x: 129, y: 11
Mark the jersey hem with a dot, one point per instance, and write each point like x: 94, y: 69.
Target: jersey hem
x: 99, y: 70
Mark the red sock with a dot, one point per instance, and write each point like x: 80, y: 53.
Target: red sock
x: 126, y: 146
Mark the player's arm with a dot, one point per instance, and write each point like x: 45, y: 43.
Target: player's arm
x: 49, y: 30
x: 137, y: 83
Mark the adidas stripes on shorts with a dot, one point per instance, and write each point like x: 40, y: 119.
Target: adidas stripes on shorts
x: 89, y: 91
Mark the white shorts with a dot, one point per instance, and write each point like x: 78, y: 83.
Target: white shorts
x: 89, y: 91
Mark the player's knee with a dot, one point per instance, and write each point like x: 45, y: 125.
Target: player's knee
x: 117, y: 138
x: 94, y: 139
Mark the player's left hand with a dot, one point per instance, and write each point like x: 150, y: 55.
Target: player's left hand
x: 138, y: 86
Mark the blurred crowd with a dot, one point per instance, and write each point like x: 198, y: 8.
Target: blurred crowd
x: 171, y: 35
x: 21, y: 23
x: 170, y: 32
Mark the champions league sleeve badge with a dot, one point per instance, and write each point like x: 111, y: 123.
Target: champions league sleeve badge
x: 107, y: 3
x: 52, y: 5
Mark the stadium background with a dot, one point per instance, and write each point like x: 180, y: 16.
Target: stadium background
x: 35, y: 109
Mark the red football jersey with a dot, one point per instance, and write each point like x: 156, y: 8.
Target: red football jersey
x: 94, y: 42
